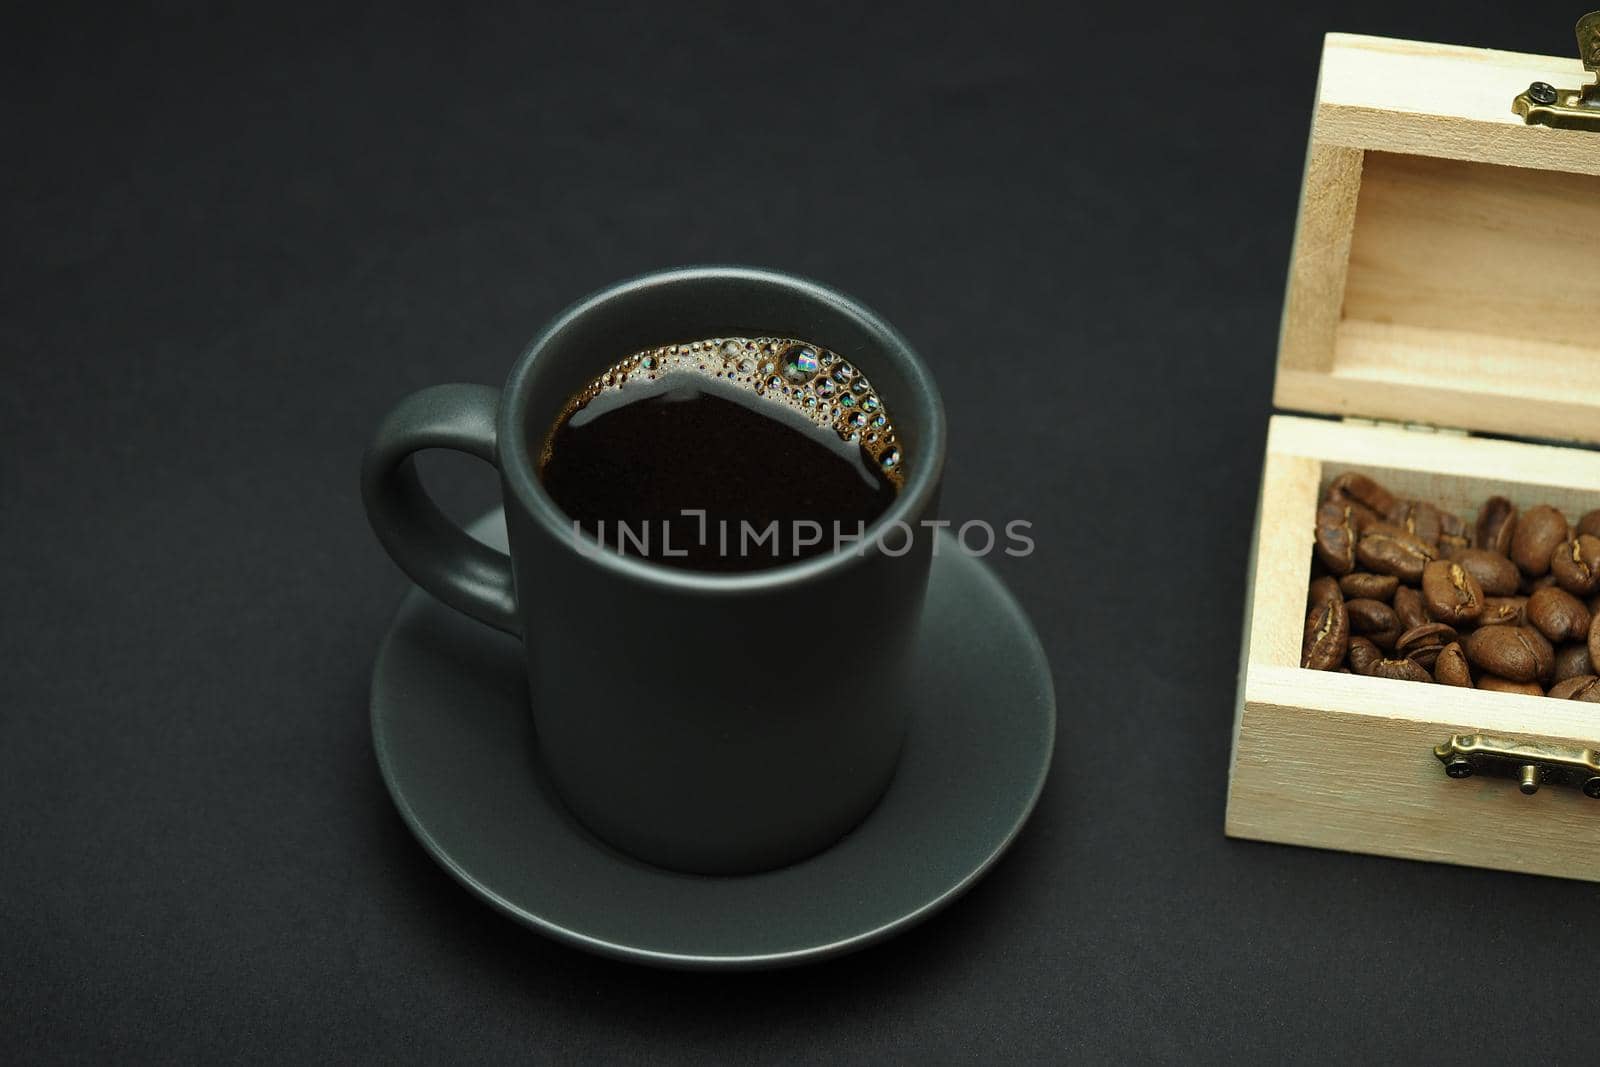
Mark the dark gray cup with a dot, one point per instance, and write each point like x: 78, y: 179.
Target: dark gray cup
x: 715, y: 723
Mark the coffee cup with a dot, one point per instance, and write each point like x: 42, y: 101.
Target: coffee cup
x: 715, y: 723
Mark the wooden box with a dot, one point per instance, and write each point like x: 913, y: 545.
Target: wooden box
x: 1442, y: 330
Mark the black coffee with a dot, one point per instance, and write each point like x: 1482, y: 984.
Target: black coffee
x: 729, y: 454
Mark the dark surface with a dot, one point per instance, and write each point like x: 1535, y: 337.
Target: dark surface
x: 231, y: 243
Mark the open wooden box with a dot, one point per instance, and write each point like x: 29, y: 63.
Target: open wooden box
x: 1445, y: 283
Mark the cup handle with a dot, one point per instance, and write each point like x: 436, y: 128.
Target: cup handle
x: 436, y: 553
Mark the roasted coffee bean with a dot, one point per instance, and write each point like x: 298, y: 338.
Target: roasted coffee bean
x: 1451, y: 666
x: 1594, y: 640
x: 1418, y: 518
x: 1571, y: 661
x: 1585, y: 687
x: 1360, y: 490
x: 1558, y: 615
x: 1366, y: 659
x: 1508, y: 602
x: 1496, y: 684
x: 1504, y: 611
x: 1516, y: 653
x: 1450, y: 593
x: 1408, y: 606
x: 1423, y: 643
x: 1364, y: 585
x: 1374, y: 620
x: 1327, y: 636
x: 1538, y: 533
x: 1576, y: 564
x: 1323, y: 588
x: 1336, y: 537
x: 1495, y: 573
x: 1430, y: 524
x: 1391, y: 550
x: 1497, y: 523
x: 1453, y: 533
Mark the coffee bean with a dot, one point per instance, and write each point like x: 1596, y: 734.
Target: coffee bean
x: 1409, y: 608
x: 1366, y: 659
x: 1516, y: 653
x: 1453, y: 533
x: 1419, y: 518
x: 1576, y: 564
x: 1391, y: 550
x: 1374, y: 620
x: 1594, y: 640
x: 1495, y: 573
x: 1495, y: 684
x: 1327, y: 636
x: 1571, y: 661
x: 1497, y: 523
x: 1451, y: 666
x: 1585, y: 687
x: 1364, y: 585
x: 1504, y: 611
x: 1405, y: 589
x: 1450, y: 593
x: 1363, y: 654
x: 1325, y: 587
x: 1558, y: 615
x: 1423, y: 643
x: 1538, y: 533
x: 1336, y: 537
x: 1358, y: 489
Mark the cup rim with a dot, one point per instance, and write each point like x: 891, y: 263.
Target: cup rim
x: 922, y: 481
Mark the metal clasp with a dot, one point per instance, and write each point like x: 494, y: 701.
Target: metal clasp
x: 1465, y: 755
x: 1568, y: 109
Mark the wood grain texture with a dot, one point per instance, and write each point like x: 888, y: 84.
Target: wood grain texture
x: 1466, y: 294
x: 1321, y: 257
x: 1346, y: 763
x: 1427, y: 99
x: 1479, y: 249
x: 1290, y: 488
x: 1454, y: 471
x: 1340, y: 761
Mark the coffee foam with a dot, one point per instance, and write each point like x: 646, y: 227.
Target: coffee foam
x: 803, y: 377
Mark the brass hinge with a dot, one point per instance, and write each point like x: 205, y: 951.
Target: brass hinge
x: 1395, y: 424
x: 1532, y: 765
x: 1568, y: 109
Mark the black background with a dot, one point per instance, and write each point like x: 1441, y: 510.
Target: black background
x: 232, y: 241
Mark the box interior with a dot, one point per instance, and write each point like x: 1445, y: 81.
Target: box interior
x: 1481, y: 277
x: 1448, y: 292
x: 1453, y: 472
x: 1460, y: 493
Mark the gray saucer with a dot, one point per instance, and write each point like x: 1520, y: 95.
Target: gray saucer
x: 456, y: 747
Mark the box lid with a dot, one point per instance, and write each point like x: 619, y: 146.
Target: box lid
x: 1446, y: 267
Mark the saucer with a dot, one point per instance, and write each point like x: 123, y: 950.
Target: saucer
x: 456, y: 747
